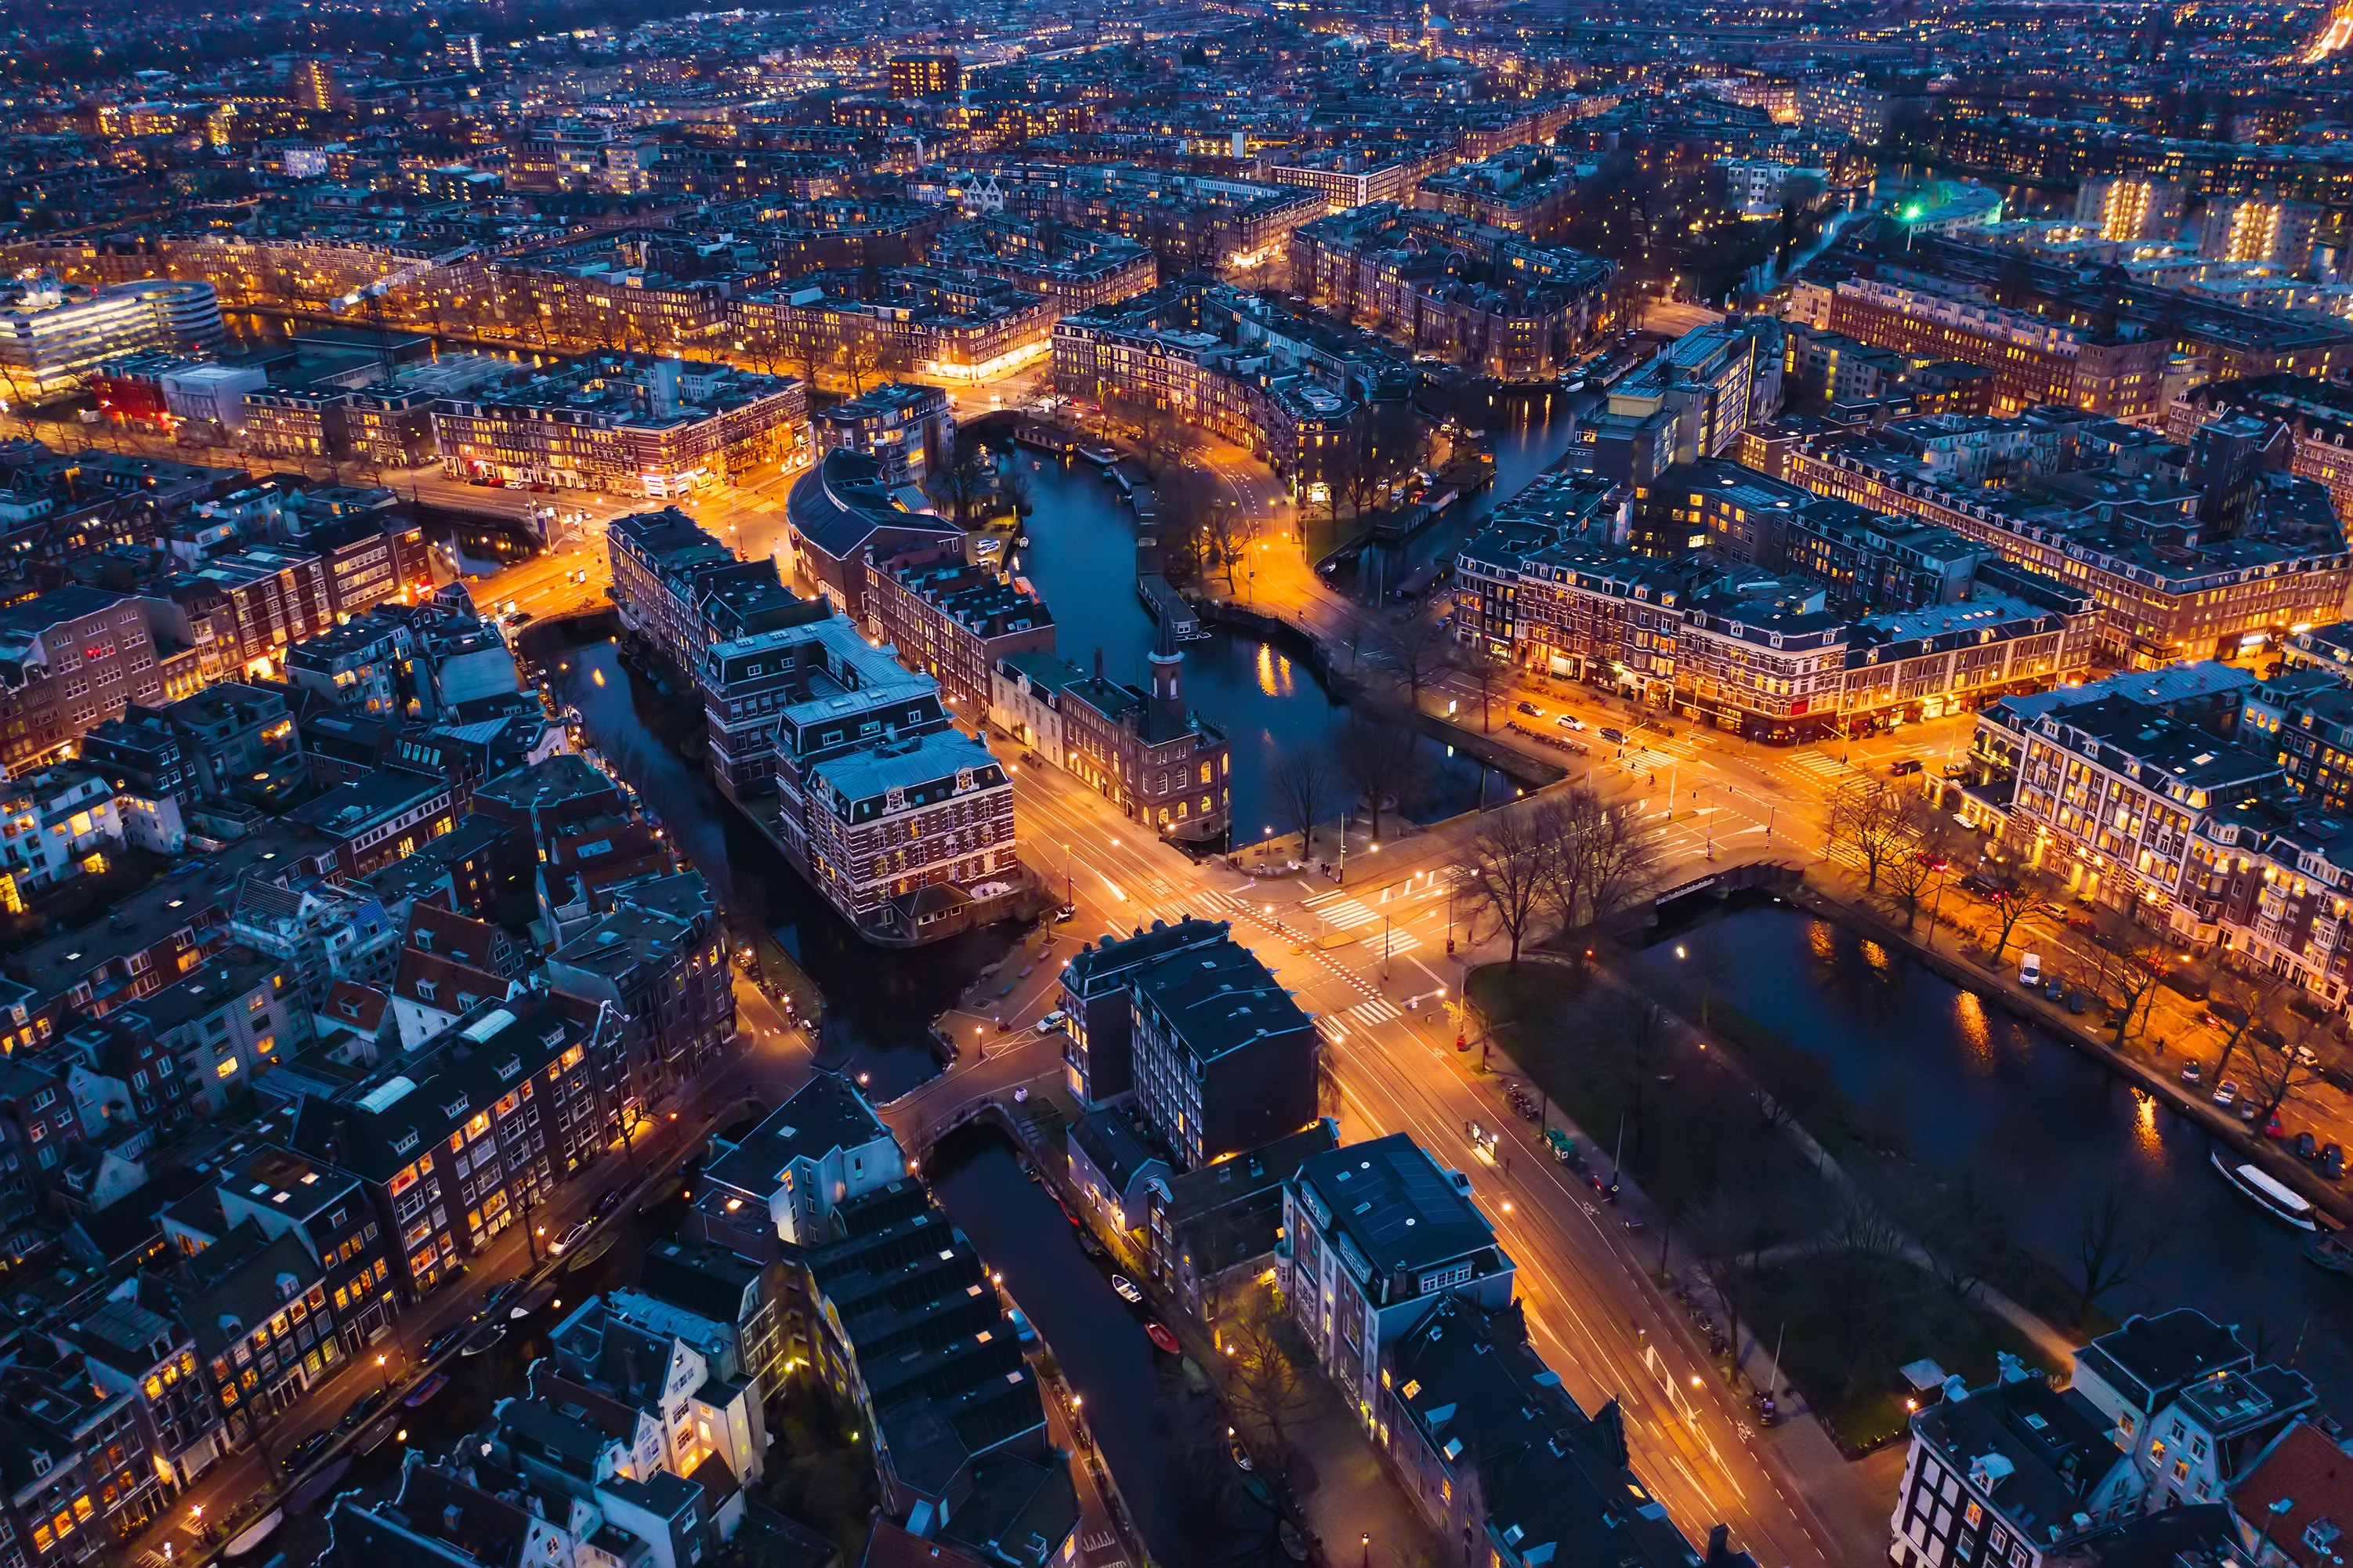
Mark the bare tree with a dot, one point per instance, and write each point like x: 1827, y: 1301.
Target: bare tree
x: 1602, y: 856
x: 1264, y: 1387
x: 1306, y: 791
x: 2018, y: 887
x: 1512, y: 878
x: 2118, y: 1235
x: 1380, y: 759
x: 2244, y: 1002
x: 2280, y: 1066
x: 962, y: 483
x: 1727, y: 1231
x: 2133, y: 960
x: 1632, y: 1058
x: 1868, y: 821
x: 1858, y: 1258
x: 1421, y: 648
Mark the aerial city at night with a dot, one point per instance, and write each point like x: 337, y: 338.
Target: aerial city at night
x: 1470, y: 784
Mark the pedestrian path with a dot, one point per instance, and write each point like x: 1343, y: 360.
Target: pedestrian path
x: 1389, y: 944
x: 1380, y: 1010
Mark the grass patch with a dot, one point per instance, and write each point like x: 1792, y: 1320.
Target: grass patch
x: 1847, y: 1322
x: 1689, y: 1125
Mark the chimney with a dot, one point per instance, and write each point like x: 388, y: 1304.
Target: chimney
x: 1098, y: 661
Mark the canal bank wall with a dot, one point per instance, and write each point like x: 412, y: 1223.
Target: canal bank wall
x: 1994, y: 988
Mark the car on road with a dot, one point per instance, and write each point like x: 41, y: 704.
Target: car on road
x: 497, y: 1302
x: 1905, y: 767
x: 1569, y: 721
x: 1066, y: 913
x: 570, y: 1238
x: 1614, y: 736
x: 301, y: 1454
x: 1531, y: 710
x: 2227, y: 1094
x: 519, y: 618
x: 363, y: 1407
x: 607, y: 1203
x: 446, y: 1340
x: 1052, y: 1021
x: 2192, y: 1074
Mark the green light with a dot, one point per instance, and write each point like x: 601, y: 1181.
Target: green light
x: 1910, y: 213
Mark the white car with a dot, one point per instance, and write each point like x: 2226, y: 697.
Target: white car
x: 1052, y: 1021
x: 1569, y: 721
x: 570, y: 1239
x: 2029, y: 972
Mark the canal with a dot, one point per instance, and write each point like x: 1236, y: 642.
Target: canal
x: 1164, y: 1446
x: 1966, y: 1084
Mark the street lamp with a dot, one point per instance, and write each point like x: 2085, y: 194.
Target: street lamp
x: 381, y: 1368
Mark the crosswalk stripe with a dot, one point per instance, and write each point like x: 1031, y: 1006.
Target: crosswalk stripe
x: 1396, y: 942
x: 1377, y: 1011
x: 1348, y: 913
x: 1332, y: 1030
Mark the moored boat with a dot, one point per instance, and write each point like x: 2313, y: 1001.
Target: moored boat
x: 2276, y: 1199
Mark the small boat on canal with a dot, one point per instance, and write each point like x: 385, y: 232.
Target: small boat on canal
x: 2274, y: 1198
x: 425, y: 1390
x: 2331, y: 1253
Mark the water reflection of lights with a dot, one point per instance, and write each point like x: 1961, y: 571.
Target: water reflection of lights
x: 1822, y: 940
x: 1273, y: 673
x: 1876, y: 956
x: 2144, y: 1133
x: 1977, y: 1038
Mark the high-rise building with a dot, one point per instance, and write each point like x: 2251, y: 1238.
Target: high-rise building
x: 2259, y: 228
x: 314, y: 87
x: 2130, y: 208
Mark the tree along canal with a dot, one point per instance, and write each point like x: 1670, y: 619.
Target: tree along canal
x: 1963, y: 1083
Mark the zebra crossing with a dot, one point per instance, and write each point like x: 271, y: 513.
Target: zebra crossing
x: 1389, y: 943
x: 1822, y: 767
x: 1380, y: 1010
x: 1343, y: 914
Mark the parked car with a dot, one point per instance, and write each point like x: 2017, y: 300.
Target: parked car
x: 2191, y: 1073
x: 1066, y: 913
x: 570, y: 1238
x: 1052, y: 1021
x: 1531, y: 710
x: 607, y: 1203
x: 2029, y: 971
x: 2331, y: 1163
x: 2307, y: 1147
x: 2227, y: 1094
x: 301, y: 1454
x: 363, y: 1407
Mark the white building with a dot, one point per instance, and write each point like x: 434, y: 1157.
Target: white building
x: 54, y: 826
x: 53, y: 335
x: 820, y: 1150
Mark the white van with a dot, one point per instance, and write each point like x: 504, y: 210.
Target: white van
x: 2029, y: 972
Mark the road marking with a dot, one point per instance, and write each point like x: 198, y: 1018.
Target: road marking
x: 1347, y: 914
x: 1390, y: 943
x: 1379, y: 1010
x: 1332, y: 1029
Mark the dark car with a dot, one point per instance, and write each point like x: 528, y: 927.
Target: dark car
x: 1531, y: 709
x: 363, y: 1407
x: 2307, y: 1147
x: 1614, y: 736
x: 301, y: 1454
x: 2331, y: 1163
x: 1903, y: 767
x: 498, y: 1299
x: 607, y: 1203
x: 448, y: 1340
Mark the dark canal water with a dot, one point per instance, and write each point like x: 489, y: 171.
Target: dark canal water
x: 1160, y: 1443
x: 1966, y: 1083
